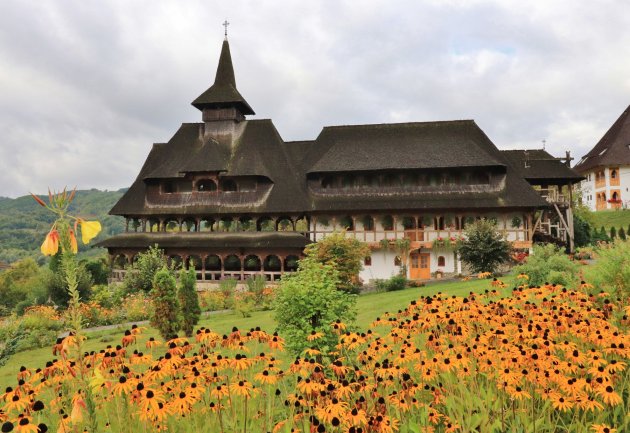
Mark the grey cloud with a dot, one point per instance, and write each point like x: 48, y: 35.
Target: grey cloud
x: 87, y: 87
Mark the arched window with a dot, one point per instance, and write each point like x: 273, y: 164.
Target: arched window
x: 232, y: 263
x: 291, y: 263
x: 206, y: 185
x: 441, y: 261
x: 346, y: 223
x: 252, y: 263
x: 613, y: 174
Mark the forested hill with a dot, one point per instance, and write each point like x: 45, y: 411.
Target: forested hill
x: 24, y: 223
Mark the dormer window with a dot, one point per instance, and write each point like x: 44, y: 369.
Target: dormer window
x: 206, y: 185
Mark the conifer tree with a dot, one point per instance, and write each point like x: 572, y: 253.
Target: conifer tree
x: 622, y: 234
x: 188, y: 300
x: 613, y: 233
x: 166, y: 314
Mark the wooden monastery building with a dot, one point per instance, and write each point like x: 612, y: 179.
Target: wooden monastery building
x: 232, y: 198
x: 606, y: 168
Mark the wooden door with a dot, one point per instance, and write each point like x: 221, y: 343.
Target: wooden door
x: 420, y: 266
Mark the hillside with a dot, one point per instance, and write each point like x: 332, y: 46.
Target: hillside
x: 23, y: 223
x: 611, y: 218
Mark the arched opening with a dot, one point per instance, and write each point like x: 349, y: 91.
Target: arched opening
x: 408, y: 222
x: 171, y: 225
x: 370, y: 181
x: 175, y: 261
x: 206, y: 185
x: 119, y: 262
x: 213, y: 263
x: 409, y: 180
x: 367, y: 221
x: 232, y: 263
x: 246, y: 224
x: 441, y: 261
x: 614, y: 196
x: 153, y: 225
x: 189, y: 225
x: 252, y: 263
x: 291, y: 263
x: 193, y: 262
x: 226, y: 224
x: 613, y: 174
x: 346, y: 223
x: 284, y: 224
x: 228, y: 185
x: 438, y: 223
x: 387, y: 222
x: 272, y: 264
x: 135, y: 224
x: 301, y: 224
x: 347, y: 181
x: 327, y: 182
x: 265, y: 224
x: 208, y: 224
x: 391, y: 180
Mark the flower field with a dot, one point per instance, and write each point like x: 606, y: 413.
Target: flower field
x: 544, y: 359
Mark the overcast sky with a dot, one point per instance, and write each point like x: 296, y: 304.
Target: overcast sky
x: 86, y: 87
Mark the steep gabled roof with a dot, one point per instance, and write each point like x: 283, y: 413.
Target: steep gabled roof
x: 537, y: 165
x: 223, y: 92
x: 448, y: 144
x: 613, y: 149
x: 420, y: 145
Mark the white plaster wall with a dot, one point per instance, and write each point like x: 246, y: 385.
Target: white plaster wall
x: 588, y: 190
x: 382, y: 266
x: 450, y: 264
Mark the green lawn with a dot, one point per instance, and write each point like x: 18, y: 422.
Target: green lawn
x: 611, y: 218
x: 369, y: 306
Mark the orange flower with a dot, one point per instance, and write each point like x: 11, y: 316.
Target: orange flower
x: 51, y: 243
x: 73, y: 243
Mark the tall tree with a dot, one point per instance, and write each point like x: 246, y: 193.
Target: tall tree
x: 484, y: 248
x: 166, y: 315
x: 188, y: 300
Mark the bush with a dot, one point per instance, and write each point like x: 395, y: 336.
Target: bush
x: 612, y: 269
x: 108, y: 296
x: 548, y: 264
x: 622, y: 234
x: 188, y: 300
x: 211, y: 300
x: 166, y: 311
x: 228, y: 287
x: 345, y: 254
x: 136, y: 307
x: 39, y: 327
x: 141, y: 273
x: 397, y: 282
x: 21, y: 285
x: 98, y: 270
x: 308, y: 302
x: 484, y: 248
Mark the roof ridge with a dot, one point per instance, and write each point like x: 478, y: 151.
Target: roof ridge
x: 398, y: 124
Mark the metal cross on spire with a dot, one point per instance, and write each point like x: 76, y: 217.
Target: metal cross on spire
x: 225, y: 24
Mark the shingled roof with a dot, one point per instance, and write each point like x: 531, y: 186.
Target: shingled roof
x: 223, y: 92
x: 259, y: 151
x: 447, y: 144
x: 613, y: 149
x: 537, y: 165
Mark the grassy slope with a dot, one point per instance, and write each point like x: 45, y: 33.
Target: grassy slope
x: 369, y: 307
x: 611, y: 218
